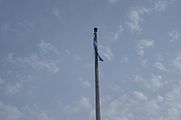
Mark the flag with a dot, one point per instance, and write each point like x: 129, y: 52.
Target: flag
x: 96, y: 51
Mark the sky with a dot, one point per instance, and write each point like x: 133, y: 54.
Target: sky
x: 47, y: 59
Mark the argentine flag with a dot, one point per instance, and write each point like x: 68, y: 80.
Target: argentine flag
x: 96, y: 51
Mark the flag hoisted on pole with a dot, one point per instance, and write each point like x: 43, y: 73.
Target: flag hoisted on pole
x: 95, y: 45
x: 97, y: 57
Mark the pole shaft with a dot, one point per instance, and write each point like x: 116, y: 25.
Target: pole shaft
x: 97, y: 96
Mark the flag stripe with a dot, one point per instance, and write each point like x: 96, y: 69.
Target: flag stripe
x: 96, y: 51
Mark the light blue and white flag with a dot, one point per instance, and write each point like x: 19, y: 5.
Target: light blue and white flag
x: 96, y: 51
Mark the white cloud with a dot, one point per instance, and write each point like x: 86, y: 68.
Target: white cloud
x: 14, y: 88
x: 141, y: 106
x: 57, y: 13
x: 174, y: 35
x: 85, y: 103
x: 39, y: 64
x: 145, y: 44
x: 172, y: 101
x: 36, y: 113
x: 177, y: 63
x: 85, y: 83
x: 113, y: 35
x: 142, y: 44
x: 113, y: 1
x: 46, y: 58
x: 10, y: 58
x: 154, y: 83
x: 161, y: 5
x: 43, y: 116
x: 136, y: 14
x: 47, y: 48
x: 140, y: 95
x: 160, y: 66
x: 115, y: 87
x: 77, y: 57
x: 144, y: 62
x: 131, y: 106
x: 107, y: 53
x: 136, y: 18
x: 82, y: 105
x: 18, y: 85
x: 118, y: 32
x: 174, y: 113
x: 9, y: 112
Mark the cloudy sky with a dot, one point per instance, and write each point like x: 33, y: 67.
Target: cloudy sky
x: 47, y: 60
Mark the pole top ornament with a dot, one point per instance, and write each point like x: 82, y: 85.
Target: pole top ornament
x: 95, y: 29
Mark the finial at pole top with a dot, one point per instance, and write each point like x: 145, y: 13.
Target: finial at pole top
x: 95, y: 29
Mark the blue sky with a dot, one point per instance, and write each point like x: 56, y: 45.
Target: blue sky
x: 47, y: 60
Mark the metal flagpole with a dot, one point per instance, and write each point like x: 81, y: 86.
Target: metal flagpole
x: 97, y: 96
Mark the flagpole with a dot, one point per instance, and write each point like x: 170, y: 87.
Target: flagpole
x: 97, y: 96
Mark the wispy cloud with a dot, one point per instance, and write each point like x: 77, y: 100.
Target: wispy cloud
x: 160, y: 66
x: 82, y: 105
x: 132, y: 106
x: 118, y: 32
x: 57, y: 13
x: 161, y: 106
x: 38, y: 63
x: 153, y: 83
x: 177, y: 63
x: 139, y: 95
x: 35, y: 112
x: 85, y: 83
x: 18, y: 85
x: 43, y: 116
x: 13, y: 89
x: 46, y: 58
x: 47, y: 48
x: 113, y: 1
x: 172, y: 101
x: 113, y: 35
x: 9, y: 112
x: 174, y: 35
x: 135, y: 16
x: 142, y: 44
x: 161, y: 5
x: 106, y: 52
